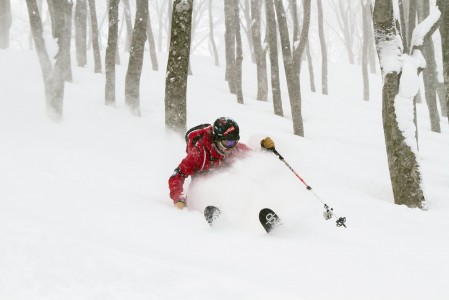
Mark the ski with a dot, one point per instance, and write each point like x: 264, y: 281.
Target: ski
x: 211, y: 213
x: 269, y: 219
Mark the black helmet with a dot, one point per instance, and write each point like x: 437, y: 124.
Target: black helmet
x: 225, y: 129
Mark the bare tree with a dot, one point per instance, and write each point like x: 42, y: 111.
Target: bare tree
x: 238, y: 53
x: 365, y: 48
x: 230, y: 46
x: 399, y: 70
x: 430, y: 72
x: 177, y: 66
x: 324, y: 87
x: 411, y: 20
x: 345, y: 13
x: 248, y: 28
x: 95, y: 36
x: 211, y: 35
x: 291, y: 67
x: 444, y: 30
x: 233, y: 43
x: 129, y: 25
x: 81, y: 32
x: 262, y: 81
x: 403, y: 27
x: 111, y: 52
x: 169, y: 21
x: 53, y: 75
x: 310, y: 65
x: 152, y: 45
x: 61, y: 21
x: 5, y: 23
x: 132, y: 80
x: 273, y: 50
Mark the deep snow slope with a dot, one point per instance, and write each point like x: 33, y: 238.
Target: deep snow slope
x: 85, y: 213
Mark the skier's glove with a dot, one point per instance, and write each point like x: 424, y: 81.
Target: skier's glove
x: 181, y: 202
x: 267, y: 143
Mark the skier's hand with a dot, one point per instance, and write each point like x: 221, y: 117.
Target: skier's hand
x: 267, y: 143
x: 180, y: 204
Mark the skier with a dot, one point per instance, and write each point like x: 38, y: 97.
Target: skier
x: 209, y: 148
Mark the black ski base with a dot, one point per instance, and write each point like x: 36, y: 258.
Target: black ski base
x: 269, y: 219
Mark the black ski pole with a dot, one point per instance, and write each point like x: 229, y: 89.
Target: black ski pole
x: 329, y: 213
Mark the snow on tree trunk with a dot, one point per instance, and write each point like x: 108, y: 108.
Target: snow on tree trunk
x: 400, y: 73
x: 177, y: 66
x: 430, y: 72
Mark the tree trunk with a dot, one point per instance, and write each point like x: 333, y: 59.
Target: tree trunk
x: 292, y: 74
x: 411, y: 20
x: 299, y: 49
x: 310, y: 65
x: 238, y: 53
x: 430, y: 72
x: 53, y: 77
x: 365, y: 49
x: 230, y: 46
x: 177, y: 66
x: 169, y: 22
x: 111, y: 52
x: 132, y: 79
x: 62, y: 31
x: 211, y: 35
x: 249, y: 36
x: 324, y: 86
x: 262, y: 81
x: 68, y: 6
x: 95, y: 42
x: 444, y: 30
x: 403, y: 27
x: 5, y: 23
x: 403, y: 165
x: 273, y: 45
x: 152, y: 46
x: 129, y: 25
x: 81, y: 32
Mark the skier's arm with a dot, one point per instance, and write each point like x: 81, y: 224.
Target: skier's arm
x: 187, y: 167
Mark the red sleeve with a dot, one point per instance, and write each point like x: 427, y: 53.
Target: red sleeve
x: 188, y: 166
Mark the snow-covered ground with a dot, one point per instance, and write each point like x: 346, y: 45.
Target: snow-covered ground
x: 85, y: 212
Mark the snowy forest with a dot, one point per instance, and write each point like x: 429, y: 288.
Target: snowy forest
x: 95, y: 100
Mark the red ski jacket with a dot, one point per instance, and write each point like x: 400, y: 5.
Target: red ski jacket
x: 203, y: 157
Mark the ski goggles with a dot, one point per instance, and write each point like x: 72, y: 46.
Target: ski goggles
x: 229, y: 143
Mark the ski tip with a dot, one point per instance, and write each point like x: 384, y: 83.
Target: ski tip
x: 211, y: 213
x: 269, y: 219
